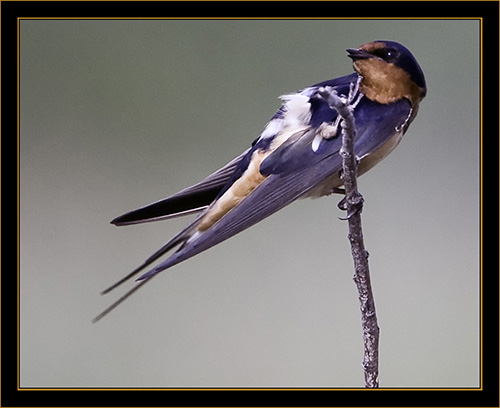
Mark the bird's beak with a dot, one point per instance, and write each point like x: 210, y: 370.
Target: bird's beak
x: 357, y: 54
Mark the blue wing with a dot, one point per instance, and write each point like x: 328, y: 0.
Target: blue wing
x: 293, y: 170
x: 190, y: 200
x: 301, y: 161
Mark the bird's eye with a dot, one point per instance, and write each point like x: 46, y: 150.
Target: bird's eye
x: 387, y: 54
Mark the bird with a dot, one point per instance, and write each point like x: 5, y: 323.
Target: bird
x: 295, y: 156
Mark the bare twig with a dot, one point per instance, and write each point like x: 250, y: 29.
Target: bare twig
x: 353, y: 203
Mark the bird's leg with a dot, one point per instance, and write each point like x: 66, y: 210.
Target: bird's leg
x: 338, y: 190
x: 356, y: 201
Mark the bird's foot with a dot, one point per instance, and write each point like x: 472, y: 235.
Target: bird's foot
x: 353, y: 204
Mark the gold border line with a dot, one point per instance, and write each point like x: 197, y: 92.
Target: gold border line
x: 480, y: 388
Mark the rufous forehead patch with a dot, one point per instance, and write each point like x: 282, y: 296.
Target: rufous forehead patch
x: 372, y: 46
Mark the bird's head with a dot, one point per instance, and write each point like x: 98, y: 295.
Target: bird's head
x: 390, y: 72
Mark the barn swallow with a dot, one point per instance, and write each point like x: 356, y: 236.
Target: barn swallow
x: 296, y: 155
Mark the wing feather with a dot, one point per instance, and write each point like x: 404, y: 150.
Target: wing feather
x: 293, y: 179
x: 189, y: 200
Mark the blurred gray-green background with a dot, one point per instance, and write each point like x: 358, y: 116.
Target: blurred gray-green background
x: 119, y: 113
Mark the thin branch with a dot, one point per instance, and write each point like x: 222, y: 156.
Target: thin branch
x: 353, y: 203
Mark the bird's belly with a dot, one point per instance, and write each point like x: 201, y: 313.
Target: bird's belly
x: 366, y: 162
x: 326, y: 187
x: 370, y: 160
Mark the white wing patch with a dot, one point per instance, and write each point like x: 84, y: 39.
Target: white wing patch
x: 296, y: 114
x: 297, y: 110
